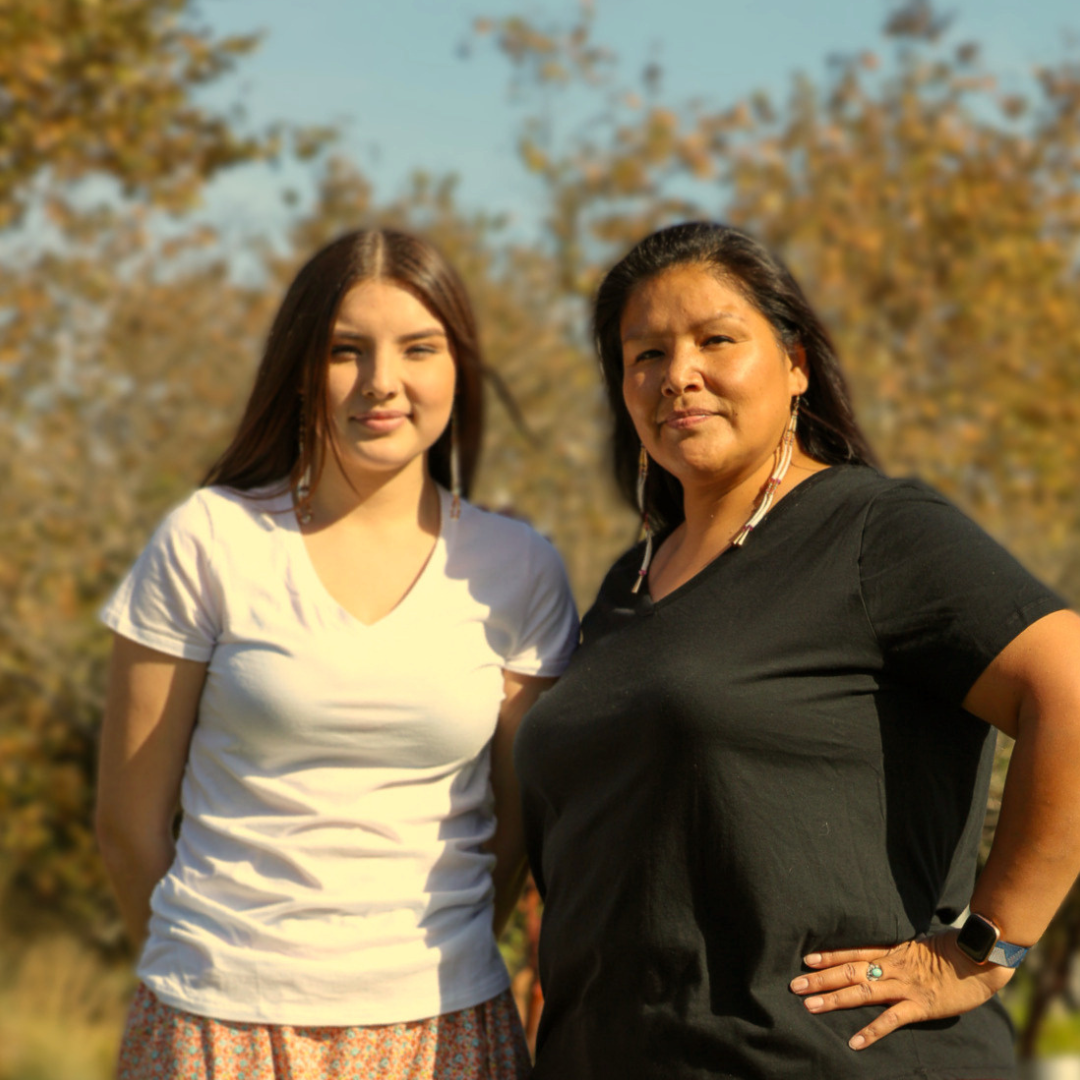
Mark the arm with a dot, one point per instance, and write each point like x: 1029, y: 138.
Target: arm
x: 1031, y: 691
x: 150, y: 708
x: 508, y: 843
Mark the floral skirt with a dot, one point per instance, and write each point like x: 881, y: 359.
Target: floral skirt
x: 484, y: 1042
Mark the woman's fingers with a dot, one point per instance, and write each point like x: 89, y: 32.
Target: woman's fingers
x: 903, y: 1012
x: 843, y: 956
x: 924, y: 979
x: 863, y: 972
x: 849, y: 995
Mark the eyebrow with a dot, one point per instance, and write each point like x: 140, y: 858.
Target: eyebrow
x: 352, y: 335
x: 636, y: 333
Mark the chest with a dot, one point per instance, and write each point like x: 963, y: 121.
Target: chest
x: 753, y: 664
x: 368, y: 577
x: 295, y: 676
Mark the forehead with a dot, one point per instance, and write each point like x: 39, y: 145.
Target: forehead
x: 683, y: 295
x: 378, y: 303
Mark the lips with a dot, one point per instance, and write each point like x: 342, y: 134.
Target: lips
x: 686, y: 418
x: 381, y: 419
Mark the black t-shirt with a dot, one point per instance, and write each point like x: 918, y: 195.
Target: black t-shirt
x: 771, y: 760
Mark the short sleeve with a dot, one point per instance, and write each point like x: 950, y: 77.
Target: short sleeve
x: 548, y: 633
x: 942, y: 597
x: 169, y: 600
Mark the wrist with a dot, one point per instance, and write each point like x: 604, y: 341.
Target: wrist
x: 980, y: 940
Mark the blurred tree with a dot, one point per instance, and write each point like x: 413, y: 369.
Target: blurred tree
x: 106, y: 88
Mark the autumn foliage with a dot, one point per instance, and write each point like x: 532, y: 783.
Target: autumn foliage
x: 933, y: 218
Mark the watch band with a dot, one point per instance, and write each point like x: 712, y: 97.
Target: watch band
x: 1007, y: 955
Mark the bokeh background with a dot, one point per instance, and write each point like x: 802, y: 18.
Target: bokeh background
x: 165, y: 165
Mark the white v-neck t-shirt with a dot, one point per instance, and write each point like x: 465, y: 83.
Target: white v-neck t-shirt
x: 328, y: 870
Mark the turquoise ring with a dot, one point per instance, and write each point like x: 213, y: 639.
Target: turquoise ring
x: 874, y: 972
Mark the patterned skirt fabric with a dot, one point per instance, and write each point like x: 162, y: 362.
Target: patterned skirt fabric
x: 484, y: 1042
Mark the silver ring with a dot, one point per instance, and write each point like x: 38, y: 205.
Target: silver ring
x: 873, y: 972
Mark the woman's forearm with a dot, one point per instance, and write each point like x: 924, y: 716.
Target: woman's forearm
x: 508, y: 877
x: 1035, y: 857
x: 150, y: 712
x: 135, y: 864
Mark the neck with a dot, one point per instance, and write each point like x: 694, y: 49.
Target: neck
x: 404, y: 496
x: 716, y: 514
x: 717, y: 511
x: 712, y: 507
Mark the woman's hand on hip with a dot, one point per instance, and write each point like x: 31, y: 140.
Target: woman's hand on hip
x: 925, y: 979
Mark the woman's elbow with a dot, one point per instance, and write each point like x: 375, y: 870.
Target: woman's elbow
x: 124, y: 837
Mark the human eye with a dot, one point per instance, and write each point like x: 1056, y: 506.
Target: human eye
x: 342, y: 351
x: 420, y: 350
x: 641, y: 356
x: 719, y: 339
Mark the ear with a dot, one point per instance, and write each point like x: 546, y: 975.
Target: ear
x: 799, y: 373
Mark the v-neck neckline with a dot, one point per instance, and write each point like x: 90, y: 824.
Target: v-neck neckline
x: 649, y: 605
x: 326, y: 598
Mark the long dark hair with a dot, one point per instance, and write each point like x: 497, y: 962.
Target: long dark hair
x: 827, y: 431
x: 281, y: 432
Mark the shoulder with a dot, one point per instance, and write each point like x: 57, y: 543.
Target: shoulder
x: 214, y: 512
x: 858, y: 500
x: 907, y: 510
x: 893, y: 521
x: 502, y: 538
x: 520, y: 579
x: 889, y: 491
x: 848, y: 486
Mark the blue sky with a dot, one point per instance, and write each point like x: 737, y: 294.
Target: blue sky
x: 389, y: 72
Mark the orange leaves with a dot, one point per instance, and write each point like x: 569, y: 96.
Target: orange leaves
x: 627, y: 175
x: 693, y: 153
x: 106, y: 88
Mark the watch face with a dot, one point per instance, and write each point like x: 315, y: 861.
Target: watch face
x: 977, y: 938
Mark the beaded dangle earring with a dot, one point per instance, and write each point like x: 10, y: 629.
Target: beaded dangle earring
x: 303, y: 486
x: 455, y: 470
x: 783, y: 460
x: 646, y: 528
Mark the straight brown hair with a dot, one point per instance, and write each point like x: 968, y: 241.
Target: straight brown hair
x: 280, y: 434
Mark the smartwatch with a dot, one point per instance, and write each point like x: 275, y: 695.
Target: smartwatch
x: 981, y: 940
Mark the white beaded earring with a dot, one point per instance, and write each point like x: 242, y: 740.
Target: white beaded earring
x: 783, y: 459
x: 643, y: 473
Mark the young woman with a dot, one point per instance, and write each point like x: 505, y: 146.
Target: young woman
x: 324, y: 654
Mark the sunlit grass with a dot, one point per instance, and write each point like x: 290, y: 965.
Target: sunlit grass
x: 61, y: 1011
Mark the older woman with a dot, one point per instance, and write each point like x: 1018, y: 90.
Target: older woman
x: 753, y: 803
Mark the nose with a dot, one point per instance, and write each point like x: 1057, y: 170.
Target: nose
x: 683, y: 372
x: 379, y: 375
